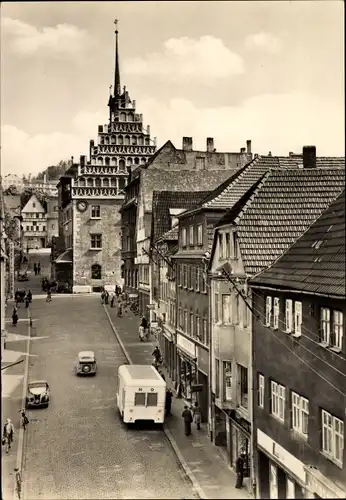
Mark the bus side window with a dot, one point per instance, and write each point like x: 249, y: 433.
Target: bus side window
x: 139, y: 398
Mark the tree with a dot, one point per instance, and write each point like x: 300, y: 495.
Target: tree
x: 12, y: 191
x: 39, y: 193
x: 54, y: 172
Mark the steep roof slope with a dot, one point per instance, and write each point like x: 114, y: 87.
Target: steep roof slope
x: 283, y: 206
x: 163, y: 201
x: 316, y: 262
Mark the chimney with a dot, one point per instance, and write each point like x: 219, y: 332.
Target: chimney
x: 91, y: 148
x: 270, y: 153
x: 309, y: 156
x: 242, y: 150
x: 256, y: 155
x: 187, y: 143
x: 248, y: 146
x: 210, y: 144
x: 291, y: 153
x: 148, y: 129
x: 100, y: 129
x: 44, y: 178
x: 82, y: 160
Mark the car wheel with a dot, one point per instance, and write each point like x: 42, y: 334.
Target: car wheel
x: 86, y: 369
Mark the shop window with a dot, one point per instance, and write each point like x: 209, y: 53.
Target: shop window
x: 96, y: 272
x: 227, y: 380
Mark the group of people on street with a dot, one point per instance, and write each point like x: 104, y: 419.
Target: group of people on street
x: 192, y: 414
x: 144, y: 330
x: 114, y: 299
x: 37, y: 269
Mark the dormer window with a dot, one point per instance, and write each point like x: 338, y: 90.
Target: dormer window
x: 221, y: 249
x: 191, y: 235
x: 183, y: 237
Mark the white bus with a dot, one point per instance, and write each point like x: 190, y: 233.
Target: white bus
x: 141, y: 394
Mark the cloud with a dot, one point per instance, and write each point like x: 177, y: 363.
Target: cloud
x: 276, y: 123
x: 206, y: 59
x: 264, y: 42
x: 61, y: 39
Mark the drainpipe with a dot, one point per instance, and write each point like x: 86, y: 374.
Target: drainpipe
x: 210, y: 386
x: 253, y: 451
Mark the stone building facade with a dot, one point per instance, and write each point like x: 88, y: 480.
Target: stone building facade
x: 97, y: 191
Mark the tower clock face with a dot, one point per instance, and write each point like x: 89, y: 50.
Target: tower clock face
x: 82, y: 205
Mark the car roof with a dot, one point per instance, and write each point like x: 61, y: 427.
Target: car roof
x: 43, y: 382
x: 86, y: 354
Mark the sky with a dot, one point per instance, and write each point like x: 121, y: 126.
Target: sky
x: 272, y: 72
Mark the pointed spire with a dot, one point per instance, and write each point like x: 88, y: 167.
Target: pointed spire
x: 117, y: 88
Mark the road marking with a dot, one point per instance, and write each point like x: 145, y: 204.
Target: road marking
x: 79, y: 453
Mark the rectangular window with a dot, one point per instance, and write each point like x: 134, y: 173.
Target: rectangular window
x: 276, y: 313
x: 216, y: 308
x: 53, y: 227
x: 338, y: 329
x: 191, y: 236
x: 199, y: 234
x: 325, y: 325
x: 205, y: 333
x: 298, y: 318
x: 278, y: 400
x: 235, y: 310
x: 260, y: 390
x: 198, y: 279
x: 268, y: 310
x: 300, y: 414
x: 204, y: 281
x: 96, y: 241
x: 198, y: 328
x: 217, y: 378
x: 151, y: 398
x: 95, y: 211
x: 228, y: 245
x: 288, y: 316
x: 183, y: 237
x: 43, y: 228
x: 185, y: 321
x: 28, y: 228
x: 226, y: 309
x: 227, y: 380
x: 235, y: 245
x: 192, y: 326
x: 37, y: 216
x: 185, y: 276
x: 333, y: 437
x: 243, y: 386
x: 221, y: 252
x: 139, y: 398
x: 193, y: 277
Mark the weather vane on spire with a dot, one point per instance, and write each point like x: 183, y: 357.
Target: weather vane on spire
x: 116, y: 24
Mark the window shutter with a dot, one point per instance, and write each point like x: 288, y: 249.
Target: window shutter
x: 298, y: 318
x: 268, y: 310
x: 288, y: 315
x: 276, y: 313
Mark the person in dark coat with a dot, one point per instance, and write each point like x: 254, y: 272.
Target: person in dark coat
x: 197, y: 415
x: 239, y: 468
x: 168, y: 402
x: 187, y: 416
x: 157, y: 355
x: 38, y: 268
x: 14, y: 316
x: 35, y: 269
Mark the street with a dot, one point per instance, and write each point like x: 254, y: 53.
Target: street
x: 78, y: 447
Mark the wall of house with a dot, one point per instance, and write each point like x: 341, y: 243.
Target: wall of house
x: 34, y: 224
x: 304, y: 366
x: 109, y: 257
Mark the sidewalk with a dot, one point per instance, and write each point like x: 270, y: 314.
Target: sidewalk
x: 201, y: 460
x: 11, y: 396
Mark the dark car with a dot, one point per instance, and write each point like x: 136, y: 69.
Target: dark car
x: 38, y: 394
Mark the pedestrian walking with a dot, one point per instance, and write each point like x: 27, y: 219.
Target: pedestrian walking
x: 120, y: 309
x: 35, y: 268
x: 106, y: 297
x: 14, y: 316
x: 8, y: 433
x: 102, y: 297
x: 157, y: 355
x: 197, y: 415
x: 49, y: 296
x: 112, y: 298
x: 187, y: 416
x: 168, y: 401
x: 239, y: 468
x: 39, y: 269
x: 141, y: 333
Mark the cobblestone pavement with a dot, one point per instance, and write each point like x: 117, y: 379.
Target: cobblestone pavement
x: 78, y: 447
x: 202, y: 461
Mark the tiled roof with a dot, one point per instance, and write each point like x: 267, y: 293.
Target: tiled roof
x: 163, y: 201
x: 226, y: 195
x: 171, y: 235
x: 284, y: 205
x: 316, y: 262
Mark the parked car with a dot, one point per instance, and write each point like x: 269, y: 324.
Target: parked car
x: 86, y: 363
x: 38, y: 394
x: 19, y: 295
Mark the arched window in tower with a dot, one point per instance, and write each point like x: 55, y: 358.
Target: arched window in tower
x: 127, y: 140
x: 131, y: 117
x: 134, y: 140
x: 107, y: 161
x: 96, y: 272
x: 81, y: 182
x: 101, y: 139
x: 136, y: 161
x: 143, y: 161
x: 122, y: 183
x: 106, y: 182
x: 107, y: 139
x: 129, y: 160
x: 120, y: 140
x: 100, y: 160
x: 122, y: 165
x: 113, y: 139
x: 141, y: 141
x: 98, y: 182
x: 90, y: 182
x: 113, y: 182
x: 147, y: 141
x: 113, y: 161
x: 123, y: 117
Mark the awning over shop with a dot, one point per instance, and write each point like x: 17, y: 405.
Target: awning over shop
x: 65, y: 257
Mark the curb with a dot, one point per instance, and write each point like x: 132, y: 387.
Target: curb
x: 198, y: 489
x: 21, y: 441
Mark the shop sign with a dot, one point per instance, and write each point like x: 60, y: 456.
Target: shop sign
x: 316, y: 485
x: 186, y: 345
